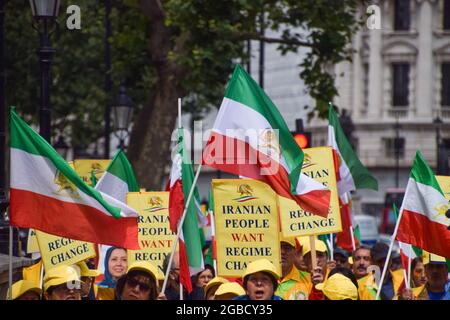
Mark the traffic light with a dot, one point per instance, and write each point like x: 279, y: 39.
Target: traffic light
x: 303, y: 138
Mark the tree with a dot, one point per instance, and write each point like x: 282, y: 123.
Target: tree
x: 193, y: 46
x: 162, y: 50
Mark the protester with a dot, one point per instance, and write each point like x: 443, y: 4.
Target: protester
x: 199, y: 281
x: 361, y: 260
x: 139, y: 283
x: 229, y: 291
x: 341, y: 257
x: 396, y: 262
x: 172, y: 291
x: 320, y: 273
x: 419, y: 278
x: 212, y: 286
x: 116, y: 263
x: 338, y: 287
x: 438, y: 285
x: 88, y: 288
x: 294, y: 284
x: 260, y: 281
x: 25, y: 290
x: 392, y: 281
x: 62, y: 283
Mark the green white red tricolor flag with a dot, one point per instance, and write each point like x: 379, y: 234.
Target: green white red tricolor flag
x: 47, y: 195
x: 423, y: 222
x: 352, y: 173
x: 250, y: 139
x: 117, y: 180
x: 181, y: 180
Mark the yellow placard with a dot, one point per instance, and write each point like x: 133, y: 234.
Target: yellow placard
x: 444, y: 183
x: 57, y: 251
x: 32, y: 243
x: 319, y: 165
x: 85, y: 167
x: 246, y: 222
x: 154, y: 234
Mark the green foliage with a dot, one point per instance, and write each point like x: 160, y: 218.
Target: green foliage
x: 207, y: 39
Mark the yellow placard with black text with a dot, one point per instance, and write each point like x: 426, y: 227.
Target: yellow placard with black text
x: 246, y: 222
x: 154, y: 234
x: 57, y: 250
x: 86, y: 167
x: 444, y: 183
x: 318, y: 164
x: 32, y: 243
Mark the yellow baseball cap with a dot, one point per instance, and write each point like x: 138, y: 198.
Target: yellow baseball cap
x: 338, y: 287
x: 229, y: 290
x: 432, y: 258
x: 59, y: 275
x: 214, y: 282
x: 319, y: 244
x: 144, y: 266
x: 288, y: 240
x: 23, y: 286
x: 350, y: 260
x: 86, y: 272
x: 261, y: 265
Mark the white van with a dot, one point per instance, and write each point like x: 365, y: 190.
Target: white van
x: 367, y: 228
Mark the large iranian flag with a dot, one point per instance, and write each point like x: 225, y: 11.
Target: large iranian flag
x: 250, y: 139
x: 352, y: 173
x: 47, y: 195
x: 116, y: 181
x: 422, y: 216
x: 190, y: 246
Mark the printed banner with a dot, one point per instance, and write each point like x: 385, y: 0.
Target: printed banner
x: 86, y: 167
x: 246, y: 222
x: 62, y: 251
x: 318, y: 164
x: 155, y: 237
x: 32, y: 243
x: 444, y: 183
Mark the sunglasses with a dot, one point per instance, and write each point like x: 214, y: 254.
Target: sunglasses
x: 142, y: 286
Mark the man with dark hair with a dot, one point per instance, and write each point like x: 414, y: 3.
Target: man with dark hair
x: 341, y: 257
x: 172, y: 291
x: 361, y: 260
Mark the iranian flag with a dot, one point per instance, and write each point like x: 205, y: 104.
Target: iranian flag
x: 250, y: 139
x: 181, y: 180
x: 422, y: 216
x: 47, y: 195
x: 352, y: 173
x: 116, y: 181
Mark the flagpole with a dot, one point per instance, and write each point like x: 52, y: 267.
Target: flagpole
x: 331, y: 247
x: 181, y: 291
x: 386, y: 263
x: 213, y: 240
x: 10, y: 261
x: 180, y: 226
x: 179, y: 113
x: 353, y: 238
x: 408, y: 283
x: 313, y: 252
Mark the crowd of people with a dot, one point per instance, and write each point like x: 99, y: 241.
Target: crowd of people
x: 344, y: 276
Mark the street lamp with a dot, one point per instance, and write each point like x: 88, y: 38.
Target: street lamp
x: 61, y: 147
x: 44, y: 15
x: 122, y: 110
x: 437, y: 123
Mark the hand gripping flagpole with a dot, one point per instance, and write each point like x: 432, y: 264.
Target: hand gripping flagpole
x: 386, y: 263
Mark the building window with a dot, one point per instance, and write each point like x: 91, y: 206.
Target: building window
x: 445, y: 84
x: 446, y: 22
x: 400, y: 84
x: 390, y: 147
x: 402, y: 15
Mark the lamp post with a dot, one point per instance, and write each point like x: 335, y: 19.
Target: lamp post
x: 437, y: 123
x: 44, y: 16
x: 122, y: 110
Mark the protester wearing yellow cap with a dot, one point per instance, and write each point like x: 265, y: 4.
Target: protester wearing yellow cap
x: 62, y: 283
x: 139, y: 283
x: 25, y: 290
x: 88, y: 279
x: 293, y: 284
x: 260, y: 281
x: 438, y: 285
x: 338, y: 287
x: 212, y: 286
x: 229, y: 291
